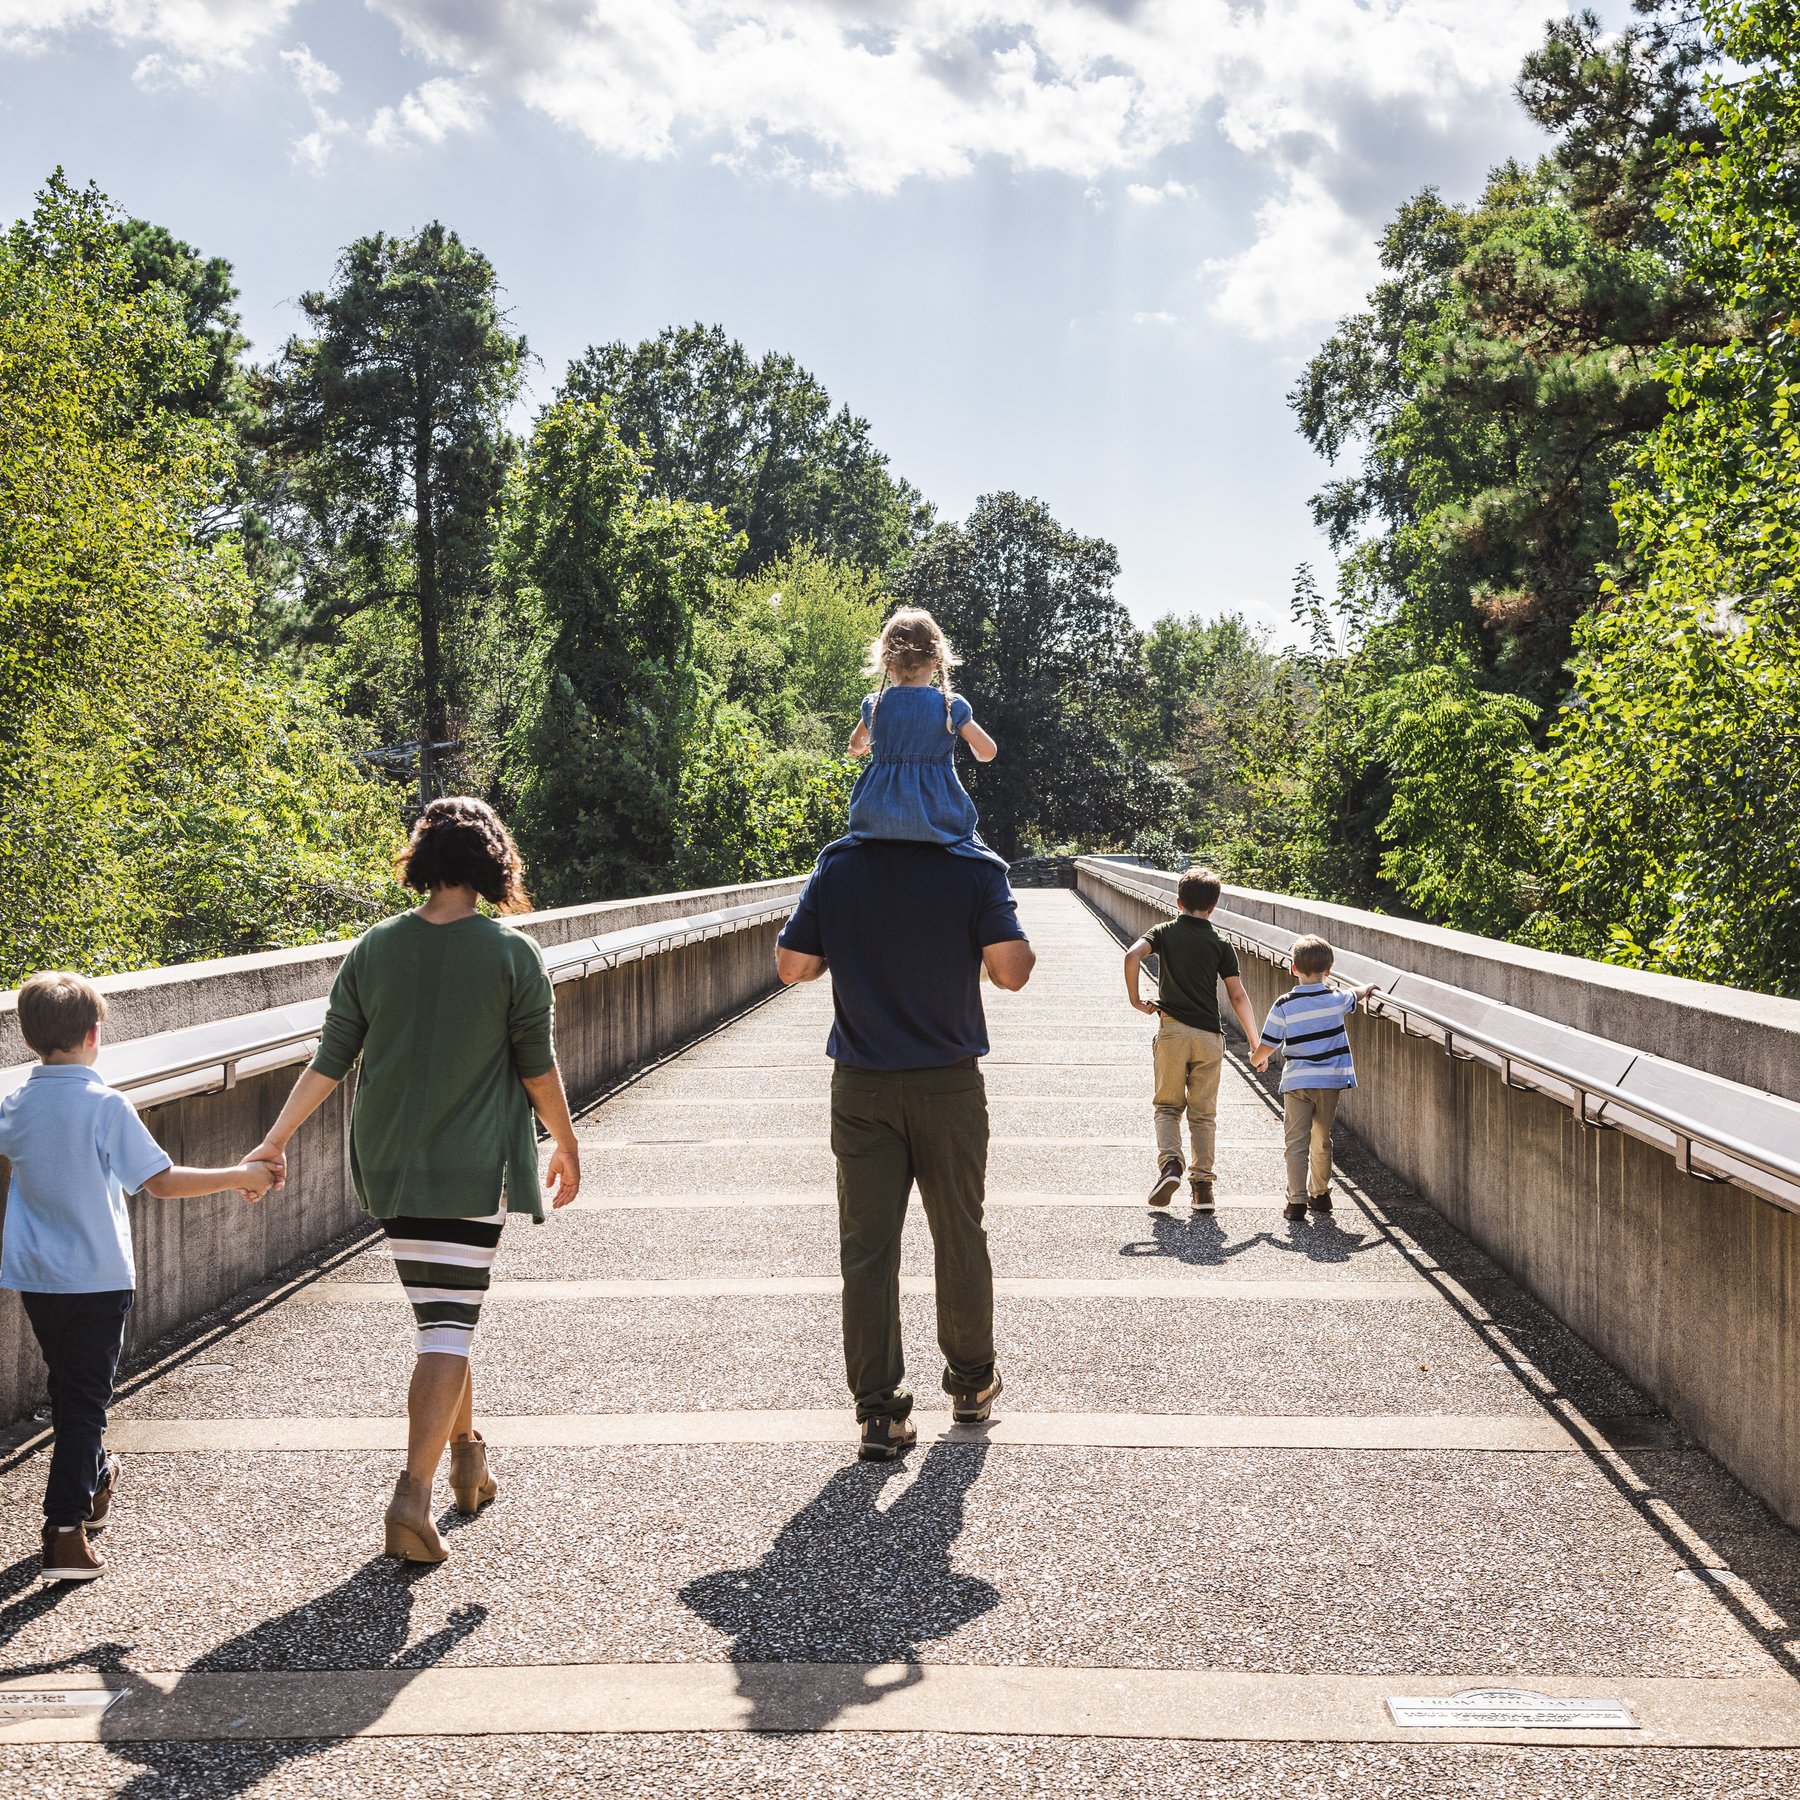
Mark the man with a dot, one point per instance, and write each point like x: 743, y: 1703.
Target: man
x: 906, y: 930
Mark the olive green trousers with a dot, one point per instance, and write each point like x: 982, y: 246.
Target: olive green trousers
x: 890, y: 1129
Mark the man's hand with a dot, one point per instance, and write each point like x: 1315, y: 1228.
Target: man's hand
x: 1143, y: 1005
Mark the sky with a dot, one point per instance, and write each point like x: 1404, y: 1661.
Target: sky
x: 1081, y: 249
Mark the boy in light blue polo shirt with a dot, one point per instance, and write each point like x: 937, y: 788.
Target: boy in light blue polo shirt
x: 77, y: 1148
x: 1306, y: 1024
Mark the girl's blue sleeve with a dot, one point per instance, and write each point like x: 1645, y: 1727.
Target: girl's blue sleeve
x: 868, y: 711
x: 961, y: 712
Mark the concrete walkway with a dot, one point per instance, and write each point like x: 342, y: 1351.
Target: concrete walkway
x: 1251, y: 1481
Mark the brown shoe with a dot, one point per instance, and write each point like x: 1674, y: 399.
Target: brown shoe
x: 1201, y: 1194
x: 1168, y: 1179
x: 68, y: 1556
x: 884, y: 1438
x: 975, y: 1406
x: 412, y: 1533
x: 470, y: 1481
x: 1318, y: 1203
x: 101, y: 1510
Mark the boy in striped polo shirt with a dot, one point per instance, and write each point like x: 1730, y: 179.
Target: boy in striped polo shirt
x: 1307, y: 1025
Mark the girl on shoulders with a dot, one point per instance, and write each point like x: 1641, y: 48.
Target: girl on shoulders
x: 909, y: 731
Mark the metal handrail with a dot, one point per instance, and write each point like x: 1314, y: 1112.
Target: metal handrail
x: 303, y: 1019
x: 1686, y: 1130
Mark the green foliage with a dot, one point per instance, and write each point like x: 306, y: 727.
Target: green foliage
x: 1670, y: 789
x: 160, y: 796
x: 790, y: 645
x: 608, y: 583
x: 758, y: 440
x: 1460, y: 837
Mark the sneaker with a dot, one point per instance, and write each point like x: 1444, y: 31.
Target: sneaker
x: 972, y: 1409
x: 1295, y: 1209
x: 1319, y: 1203
x: 68, y: 1556
x: 884, y: 1438
x: 1166, y: 1182
x: 1200, y: 1193
x: 101, y: 1510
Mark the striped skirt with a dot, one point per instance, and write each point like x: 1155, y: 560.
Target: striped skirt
x: 443, y: 1265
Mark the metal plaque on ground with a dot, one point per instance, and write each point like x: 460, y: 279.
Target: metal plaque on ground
x: 20, y: 1704
x: 1482, y: 1709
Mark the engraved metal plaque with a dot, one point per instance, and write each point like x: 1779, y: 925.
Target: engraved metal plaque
x: 1518, y: 1709
x: 20, y: 1704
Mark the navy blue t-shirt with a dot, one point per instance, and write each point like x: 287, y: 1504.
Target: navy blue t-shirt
x: 902, y: 927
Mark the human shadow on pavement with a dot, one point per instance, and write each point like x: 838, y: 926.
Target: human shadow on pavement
x: 847, y: 1584
x: 362, y: 1624
x: 24, y: 1599
x: 1199, y: 1240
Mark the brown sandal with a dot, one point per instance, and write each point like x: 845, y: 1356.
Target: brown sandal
x: 470, y: 1481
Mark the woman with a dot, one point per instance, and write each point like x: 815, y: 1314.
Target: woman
x: 450, y: 1012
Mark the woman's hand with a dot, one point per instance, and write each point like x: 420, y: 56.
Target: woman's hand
x: 274, y: 1156
x: 562, y: 1175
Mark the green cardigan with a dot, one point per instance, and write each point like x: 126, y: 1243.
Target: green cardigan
x: 447, y: 1020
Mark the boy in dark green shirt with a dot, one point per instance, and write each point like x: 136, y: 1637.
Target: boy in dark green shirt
x: 1189, y: 1050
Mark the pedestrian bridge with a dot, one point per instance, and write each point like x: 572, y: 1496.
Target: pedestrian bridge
x: 1477, y: 1488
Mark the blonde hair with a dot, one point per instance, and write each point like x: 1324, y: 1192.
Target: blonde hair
x: 912, y: 640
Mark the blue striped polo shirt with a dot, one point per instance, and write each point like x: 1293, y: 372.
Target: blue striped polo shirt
x: 1308, y: 1024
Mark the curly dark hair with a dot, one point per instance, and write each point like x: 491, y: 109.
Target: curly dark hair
x: 460, y: 842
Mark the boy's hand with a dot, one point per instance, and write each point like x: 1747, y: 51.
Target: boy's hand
x: 274, y: 1157
x: 1363, y: 994
x: 1259, y: 1057
x: 1143, y: 1006
x: 254, y: 1180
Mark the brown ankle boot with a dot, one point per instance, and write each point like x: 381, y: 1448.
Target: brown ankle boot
x: 470, y: 1481
x: 411, y: 1531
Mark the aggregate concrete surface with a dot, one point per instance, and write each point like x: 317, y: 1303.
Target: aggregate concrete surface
x: 1419, y: 1564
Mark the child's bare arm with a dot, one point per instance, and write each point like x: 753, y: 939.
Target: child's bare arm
x: 1246, y: 1016
x: 251, y: 1179
x: 859, y: 740
x: 981, y: 746
x: 1134, y: 960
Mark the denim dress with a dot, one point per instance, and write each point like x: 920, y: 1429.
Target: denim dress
x: 910, y: 789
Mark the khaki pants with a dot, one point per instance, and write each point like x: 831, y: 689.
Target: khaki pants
x: 890, y: 1129
x: 1188, y: 1063
x: 1306, y: 1114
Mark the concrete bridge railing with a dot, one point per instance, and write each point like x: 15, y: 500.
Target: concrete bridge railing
x: 208, y: 1050
x: 1625, y: 1145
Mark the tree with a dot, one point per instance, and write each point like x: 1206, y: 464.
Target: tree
x: 759, y: 440
x: 1670, y: 790
x: 608, y: 583
x: 386, y: 440
x: 1051, y: 668
x: 160, y: 797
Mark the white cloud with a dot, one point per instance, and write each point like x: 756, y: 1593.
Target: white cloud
x: 1331, y: 109
x: 428, y: 115
x: 314, y: 78
x: 196, y: 34
x: 317, y: 81
x: 1155, y: 318
x: 1140, y: 195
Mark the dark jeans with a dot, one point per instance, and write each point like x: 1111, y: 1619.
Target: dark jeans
x: 888, y: 1130
x: 81, y: 1336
